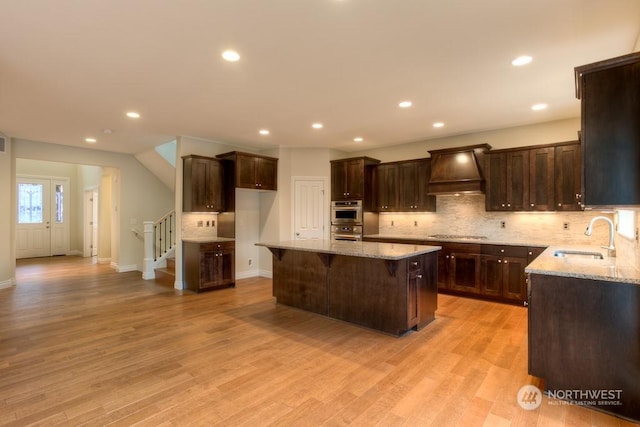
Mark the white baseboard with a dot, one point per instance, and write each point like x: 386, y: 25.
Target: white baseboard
x: 247, y: 274
x: 7, y: 283
x: 266, y: 273
x: 125, y: 268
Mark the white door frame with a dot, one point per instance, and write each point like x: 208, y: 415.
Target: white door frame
x: 90, y: 209
x: 326, y: 205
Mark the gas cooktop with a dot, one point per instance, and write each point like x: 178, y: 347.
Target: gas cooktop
x: 457, y: 236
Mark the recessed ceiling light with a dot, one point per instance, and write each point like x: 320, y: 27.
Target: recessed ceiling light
x: 405, y: 104
x: 438, y: 125
x: 264, y: 132
x: 230, y: 55
x: 317, y: 126
x: 107, y: 131
x: 91, y: 140
x: 538, y: 107
x: 358, y: 139
x: 521, y: 60
x: 133, y: 115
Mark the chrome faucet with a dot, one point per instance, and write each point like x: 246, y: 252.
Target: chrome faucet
x: 611, y: 249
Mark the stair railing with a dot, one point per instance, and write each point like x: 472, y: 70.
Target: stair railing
x: 159, y: 238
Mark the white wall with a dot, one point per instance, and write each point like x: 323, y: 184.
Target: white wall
x: 140, y: 196
x: 7, y: 217
x: 542, y: 133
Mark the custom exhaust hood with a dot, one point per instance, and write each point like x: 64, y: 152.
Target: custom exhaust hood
x: 458, y: 170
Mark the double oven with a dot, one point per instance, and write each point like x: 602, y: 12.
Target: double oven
x: 346, y: 220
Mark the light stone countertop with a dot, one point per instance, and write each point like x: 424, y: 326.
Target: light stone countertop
x: 207, y: 239
x: 455, y: 239
x: 390, y: 251
x: 607, y: 269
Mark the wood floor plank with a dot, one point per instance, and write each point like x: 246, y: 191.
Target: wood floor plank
x: 81, y: 344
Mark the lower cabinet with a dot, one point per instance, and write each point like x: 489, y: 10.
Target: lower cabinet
x: 503, y: 272
x: 209, y: 265
x: 493, y: 272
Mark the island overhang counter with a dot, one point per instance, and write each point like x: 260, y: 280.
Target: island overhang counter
x: 384, y: 286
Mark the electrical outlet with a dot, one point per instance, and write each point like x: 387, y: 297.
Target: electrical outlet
x: 199, y: 224
x: 213, y: 223
x: 503, y: 224
x: 208, y: 223
x: 415, y: 223
x: 250, y: 261
x: 565, y: 225
x: 392, y: 223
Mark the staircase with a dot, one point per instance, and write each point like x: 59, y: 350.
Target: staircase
x: 159, y: 246
x: 166, y: 275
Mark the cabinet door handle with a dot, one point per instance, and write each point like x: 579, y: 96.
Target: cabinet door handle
x: 559, y: 204
x: 505, y: 261
x: 532, y: 204
x: 526, y: 304
x: 414, y: 263
x: 499, y: 261
x: 501, y: 251
x: 418, y: 276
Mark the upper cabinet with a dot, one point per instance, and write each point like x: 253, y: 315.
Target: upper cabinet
x: 610, y: 100
x: 520, y: 179
x: 507, y: 174
x: 352, y: 179
x: 202, y: 184
x: 253, y: 171
x: 403, y: 187
x: 568, y: 177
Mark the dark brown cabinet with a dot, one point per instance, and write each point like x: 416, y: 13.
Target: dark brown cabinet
x: 493, y: 272
x: 459, y: 267
x: 610, y: 102
x: 202, y: 184
x: 507, y: 186
x: 352, y: 179
x: 209, y: 266
x: 568, y: 177
x: 520, y: 179
x: 414, y: 186
x: 541, y: 179
x: 583, y: 335
x: 387, y: 184
x: 253, y: 171
x: 503, y: 272
x: 403, y: 187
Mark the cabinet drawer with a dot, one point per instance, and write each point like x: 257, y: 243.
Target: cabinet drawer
x: 505, y: 250
x: 214, y: 246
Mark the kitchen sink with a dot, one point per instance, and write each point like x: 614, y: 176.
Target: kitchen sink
x: 578, y: 254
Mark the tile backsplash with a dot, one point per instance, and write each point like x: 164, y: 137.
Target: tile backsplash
x: 466, y: 215
x: 199, y: 225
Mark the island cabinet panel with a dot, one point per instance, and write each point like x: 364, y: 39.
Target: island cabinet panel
x: 300, y: 280
x: 584, y: 335
x: 391, y: 296
x: 362, y: 291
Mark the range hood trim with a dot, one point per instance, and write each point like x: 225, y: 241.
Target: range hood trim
x: 447, y: 177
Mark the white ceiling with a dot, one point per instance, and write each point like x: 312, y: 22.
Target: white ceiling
x: 71, y: 68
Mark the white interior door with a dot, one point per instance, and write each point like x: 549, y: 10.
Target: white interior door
x: 33, y: 231
x: 308, y: 209
x: 43, y: 227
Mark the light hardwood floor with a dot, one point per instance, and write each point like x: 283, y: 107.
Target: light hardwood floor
x: 83, y: 345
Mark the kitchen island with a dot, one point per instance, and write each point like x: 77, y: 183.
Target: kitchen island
x: 388, y: 287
